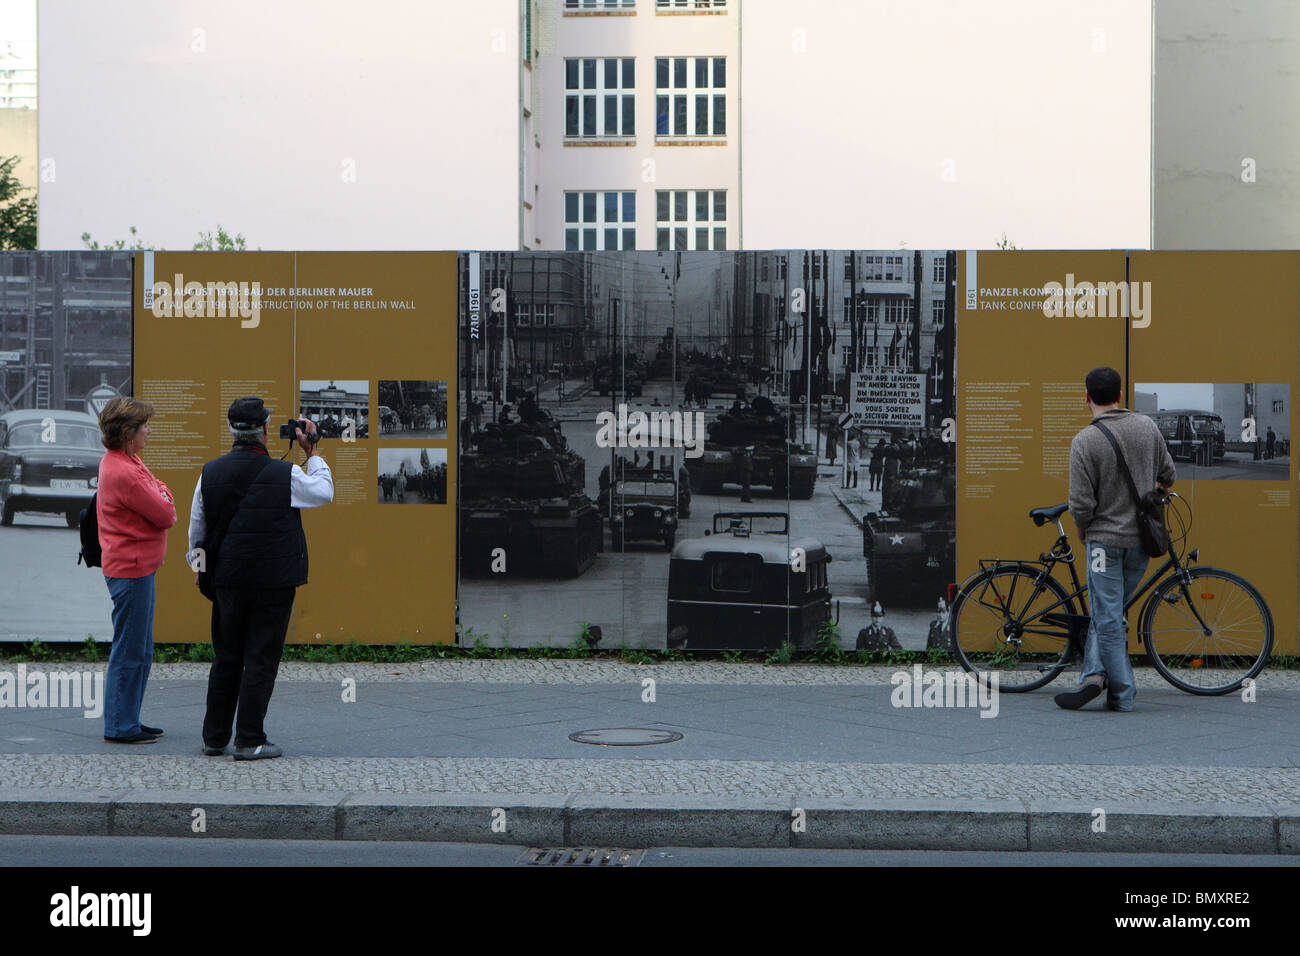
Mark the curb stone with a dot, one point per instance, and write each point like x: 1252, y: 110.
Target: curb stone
x: 642, y: 821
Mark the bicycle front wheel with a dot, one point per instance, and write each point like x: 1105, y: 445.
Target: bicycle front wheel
x: 1006, y: 620
x: 1208, y: 635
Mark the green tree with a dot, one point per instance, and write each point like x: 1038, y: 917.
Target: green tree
x: 134, y: 243
x: 222, y: 242
x: 17, y: 214
x: 1005, y: 243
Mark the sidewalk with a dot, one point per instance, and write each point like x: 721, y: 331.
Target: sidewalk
x: 429, y: 750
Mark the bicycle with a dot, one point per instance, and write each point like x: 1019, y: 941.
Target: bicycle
x: 1200, y: 625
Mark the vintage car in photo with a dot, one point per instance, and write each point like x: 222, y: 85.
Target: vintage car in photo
x: 747, y: 584
x: 49, y: 463
x: 645, y: 509
x: 1187, y: 429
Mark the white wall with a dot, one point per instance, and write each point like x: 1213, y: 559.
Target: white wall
x: 253, y: 131
x: 1227, y: 89
x: 851, y: 108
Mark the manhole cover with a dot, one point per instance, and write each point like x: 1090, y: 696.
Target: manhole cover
x: 625, y: 737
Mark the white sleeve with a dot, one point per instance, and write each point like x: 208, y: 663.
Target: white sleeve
x: 313, y: 487
x: 196, y: 515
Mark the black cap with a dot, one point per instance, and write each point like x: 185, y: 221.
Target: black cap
x: 248, y: 412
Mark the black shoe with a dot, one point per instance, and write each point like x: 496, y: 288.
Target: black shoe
x: 140, y: 738
x: 209, y: 751
x: 1075, y: 699
x: 156, y: 731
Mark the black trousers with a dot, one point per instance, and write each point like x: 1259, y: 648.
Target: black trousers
x: 248, y: 631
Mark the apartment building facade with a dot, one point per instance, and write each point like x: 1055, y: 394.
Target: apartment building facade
x: 630, y: 125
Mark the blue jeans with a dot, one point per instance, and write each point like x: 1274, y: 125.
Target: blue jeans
x: 132, y: 655
x: 1106, y: 652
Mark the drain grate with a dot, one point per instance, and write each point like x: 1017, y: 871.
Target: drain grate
x: 579, y: 856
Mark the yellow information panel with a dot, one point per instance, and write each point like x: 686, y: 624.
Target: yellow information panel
x: 1020, y: 393
x: 1206, y: 344
x: 1216, y: 367
x: 362, y: 343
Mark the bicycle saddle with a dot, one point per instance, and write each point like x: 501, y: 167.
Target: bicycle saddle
x: 1043, y: 515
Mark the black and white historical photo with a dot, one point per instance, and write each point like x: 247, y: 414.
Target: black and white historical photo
x: 412, y: 409
x: 707, y: 450
x: 412, y: 476
x: 1222, y: 430
x: 340, y: 408
x: 65, y: 351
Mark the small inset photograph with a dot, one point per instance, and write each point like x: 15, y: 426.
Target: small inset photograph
x: 336, y: 405
x: 412, y: 476
x: 1239, y: 431
x: 412, y: 409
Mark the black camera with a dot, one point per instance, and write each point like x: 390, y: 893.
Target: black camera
x: 289, y: 431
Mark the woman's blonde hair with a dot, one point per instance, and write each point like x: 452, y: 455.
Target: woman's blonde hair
x: 121, y: 418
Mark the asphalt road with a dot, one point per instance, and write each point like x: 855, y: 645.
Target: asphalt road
x: 626, y: 593
x: 44, y: 593
x: 204, y: 851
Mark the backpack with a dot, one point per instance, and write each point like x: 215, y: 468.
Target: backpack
x: 91, y: 552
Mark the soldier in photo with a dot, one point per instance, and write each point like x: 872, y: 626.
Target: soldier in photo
x: 940, y: 636
x: 877, y: 636
x: 877, y: 466
x: 746, y: 465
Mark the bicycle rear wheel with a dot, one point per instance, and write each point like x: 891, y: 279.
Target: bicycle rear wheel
x: 997, y: 627
x: 1236, y: 617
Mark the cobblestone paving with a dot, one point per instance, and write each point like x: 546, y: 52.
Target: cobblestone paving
x: 1056, y: 782
x: 583, y: 672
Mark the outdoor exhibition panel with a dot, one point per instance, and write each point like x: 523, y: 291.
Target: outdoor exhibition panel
x: 362, y: 343
x: 1020, y: 393
x: 1216, y: 366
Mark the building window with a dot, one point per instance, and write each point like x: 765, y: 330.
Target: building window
x: 545, y: 314
x: 780, y: 268
x: 523, y: 314
x: 690, y: 4
x: 763, y: 270
x: 940, y: 268
x: 884, y: 268
x: 691, y: 96
x: 898, y: 310
x: 817, y: 266
x: 873, y: 356
x: 570, y: 5
x: 936, y: 314
x: 1277, y: 406
x: 690, y: 220
x: 596, y: 221
x: 599, y: 98
x: 848, y: 267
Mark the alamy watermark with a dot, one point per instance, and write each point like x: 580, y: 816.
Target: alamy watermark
x: 215, y: 300
x: 920, y: 688
x: 1100, y: 300
x: 638, y: 429
x: 82, y: 690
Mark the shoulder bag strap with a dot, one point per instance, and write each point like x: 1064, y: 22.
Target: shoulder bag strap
x: 1123, y: 466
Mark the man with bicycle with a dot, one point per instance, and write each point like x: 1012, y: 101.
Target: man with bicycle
x: 1104, y: 513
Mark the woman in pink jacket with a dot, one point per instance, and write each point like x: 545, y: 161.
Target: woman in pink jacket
x: 135, y: 510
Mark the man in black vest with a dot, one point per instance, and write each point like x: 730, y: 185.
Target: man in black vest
x: 258, y: 563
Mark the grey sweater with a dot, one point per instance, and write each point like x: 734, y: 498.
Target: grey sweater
x: 1100, y: 502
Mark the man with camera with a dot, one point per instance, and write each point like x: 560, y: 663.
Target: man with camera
x: 246, y: 541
